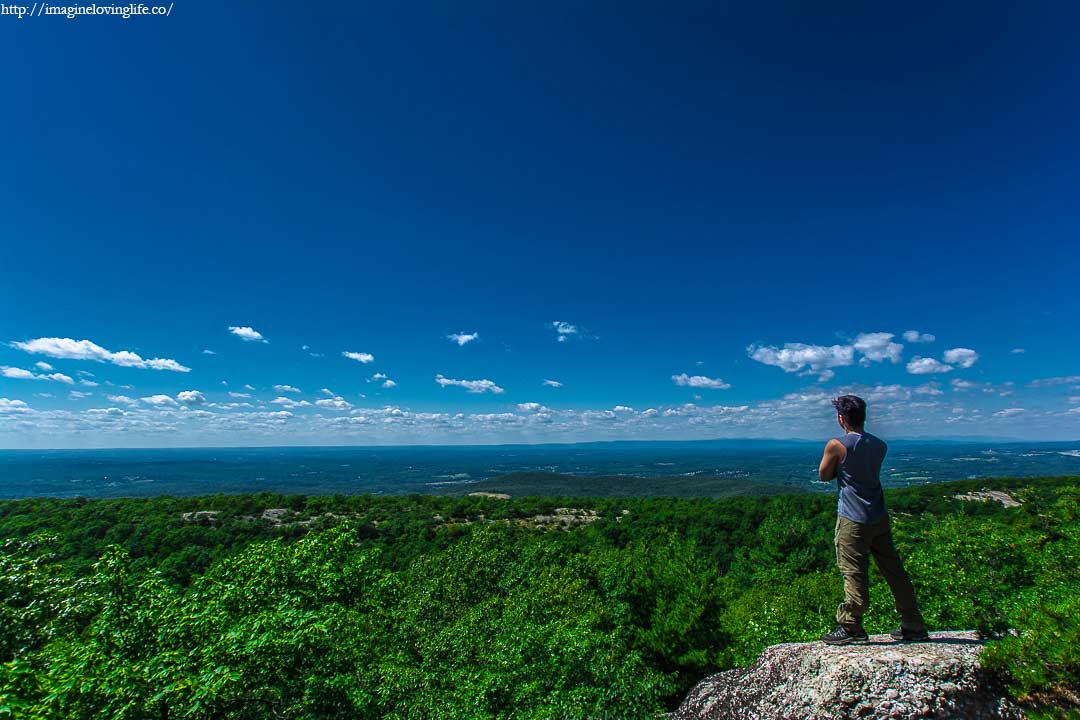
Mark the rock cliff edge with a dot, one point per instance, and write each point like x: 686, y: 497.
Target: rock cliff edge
x: 879, y: 679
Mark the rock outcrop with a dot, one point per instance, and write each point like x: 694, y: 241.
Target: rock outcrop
x: 879, y: 679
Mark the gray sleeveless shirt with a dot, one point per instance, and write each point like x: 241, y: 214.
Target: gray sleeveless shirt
x: 859, y: 477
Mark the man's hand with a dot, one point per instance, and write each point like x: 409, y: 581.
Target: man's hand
x: 834, y: 454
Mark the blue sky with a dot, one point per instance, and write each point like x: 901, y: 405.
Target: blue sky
x: 698, y: 221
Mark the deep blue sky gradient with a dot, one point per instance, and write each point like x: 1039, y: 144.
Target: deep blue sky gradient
x: 678, y: 181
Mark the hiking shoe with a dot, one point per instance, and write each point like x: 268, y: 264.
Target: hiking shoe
x: 902, y: 634
x: 842, y: 636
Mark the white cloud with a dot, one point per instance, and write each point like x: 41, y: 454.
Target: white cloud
x: 361, y: 357
x: 462, y: 338
x: 1018, y: 351
x: 249, y: 387
x: 87, y: 383
x: 532, y: 407
x: 239, y: 395
x: 961, y: 357
x: 699, y: 381
x: 123, y: 400
x: 337, y: 403
x: 10, y: 406
x: 623, y: 408
x: 564, y: 329
x: 247, y: 334
x: 794, y: 357
x: 20, y: 374
x: 77, y: 395
x: 43, y: 366
x: 327, y: 392
x: 191, y: 397
x: 914, y: 336
x: 1052, y: 381
x: 926, y: 366
x: 378, y: 376
x: 286, y: 388
x: 68, y: 349
x: 159, y: 400
x: 552, y: 383
x: 877, y: 347
x: 473, y: 386
x: 289, y: 402
x: 208, y: 352
x: 389, y: 384
x: 1008, y: 412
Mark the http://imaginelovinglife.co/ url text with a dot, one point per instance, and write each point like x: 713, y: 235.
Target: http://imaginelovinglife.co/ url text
x: 71, y: 12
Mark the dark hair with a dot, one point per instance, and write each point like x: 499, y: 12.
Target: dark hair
x: 852, y: 408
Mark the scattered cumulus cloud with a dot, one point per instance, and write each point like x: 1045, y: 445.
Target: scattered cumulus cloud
x: 360, y: 357
x: 247, y: 334
x: 159, y: 401
x: 961, y: 357
x: 286, y: 389
x: 1018, y: 351
x: 473, y: 386
x: 208, y: 351
x: 927, y: 366
x: 699, y: 381
x: 68, y: 349
x: 335, y: 403
x: 239, y: 395
x: 191, y: 397
x: 803, y: 358
x: 78, y: 395
x: 1009, y: 412
x: 914, y: 336
x: 552, y: 383
x: 327, y: 392
x: 289, y: 402
x: 15, y: 373
x: 463, y: 338
x: 42, y: 365
x: 12, y: 406
x: 389, y: 384
x: 877, y: 347
x: 123, y: 400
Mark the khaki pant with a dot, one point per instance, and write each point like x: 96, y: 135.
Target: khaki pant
x: 855, y: 543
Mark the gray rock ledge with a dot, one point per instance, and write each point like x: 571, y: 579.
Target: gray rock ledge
x: 879, y: 679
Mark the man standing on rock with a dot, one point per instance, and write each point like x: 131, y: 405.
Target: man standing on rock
x: 862, y: 528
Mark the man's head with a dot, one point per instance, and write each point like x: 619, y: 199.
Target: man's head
x: 850, y: 411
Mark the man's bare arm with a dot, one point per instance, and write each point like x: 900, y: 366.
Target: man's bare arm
x: 834, y: 453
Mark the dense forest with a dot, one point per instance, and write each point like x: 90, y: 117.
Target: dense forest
x: 264, y: 606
